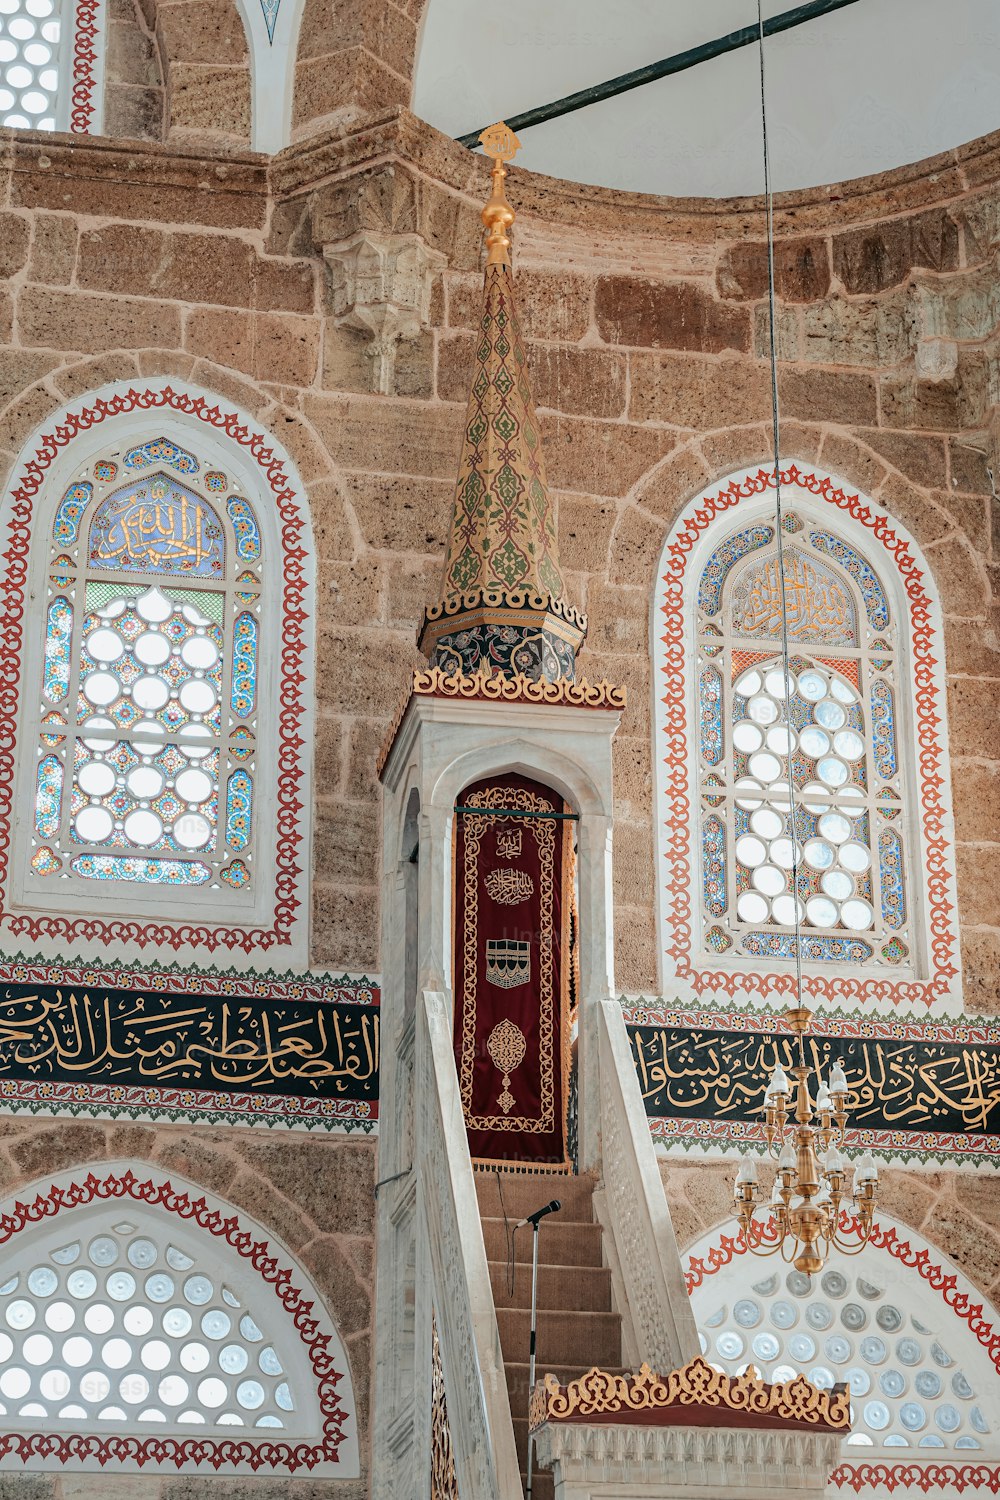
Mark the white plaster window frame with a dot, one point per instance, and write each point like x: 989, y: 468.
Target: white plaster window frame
x: 161, y: 917
x: 262, y: 1273
x: 731, y: 504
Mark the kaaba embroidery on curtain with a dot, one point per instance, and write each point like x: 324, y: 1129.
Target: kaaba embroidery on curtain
x: 512, y: 909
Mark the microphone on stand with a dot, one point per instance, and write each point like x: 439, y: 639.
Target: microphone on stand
x: 532, y: 1219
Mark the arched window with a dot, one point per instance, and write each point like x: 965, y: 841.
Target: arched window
x: 143, y: 1322
x: 148, y: 698
x: 162, y: 740
x: 917, y: 1352
x: 52, y: 64
x: 862, y: 737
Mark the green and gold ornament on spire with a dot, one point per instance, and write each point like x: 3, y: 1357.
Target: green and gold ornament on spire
x: 502, y: 604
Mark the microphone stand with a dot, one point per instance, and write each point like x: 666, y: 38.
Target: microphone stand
x: 534, y: 1220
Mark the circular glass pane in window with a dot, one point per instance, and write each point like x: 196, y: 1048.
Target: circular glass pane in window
x: 747, y: 737
x: 198, y: 697
x: 876, y: 1415
x: 143, y: 827
x: 148, y: 737
x: 838, y: 1348
x: 153, y: 607
x: 835, y: 827
x: 892, y: 1382
x: 768, y: 879
x: 192, y: 831
x: 37, y: 1349
x: 830, y: 715
x: 819, y: 854
x: 858, y: 1382
x: 766, y: 1346
x: 55, y: 1385
x: 95, y: 1386
x: 873, y: 1349
x: 784, y: 910
x: 215, y: 1324
x: 783, y: 854
x: 150, y: 693
x: 77, y: 1351
x: 854, y: 857
x: 121, y: 1286
x: 59, y: 1316
x: 99, y: 740
x: 812, y: 685
x: 160, y: 1287
x: 100, y: 689
x: 857, y: 915
x: 836, y: 884
x: 849, y: 744
x: 766, y: 823
x: 155, y: 1355
x: 142, y: 1254
x: 195, y: 1358
x: 250, y: 1394
x: 961, y: 1386
x: 802, y: 1346
x: 778, y: 684
x: 853, y: 1316
x: 199, y: 653
x: 948, y: 1418
x: 729, y: 1345
x: 177, y: 1322
x: 814, y: 741
x: 81, y: 1283
x: 762, y: 710
x: 816, y: 797
x: 819, y: 1316
x: 234, y: 1359
x: 834, y: 1283
x: 99, y: 1317
x: 784, y: 1315
x: 138, y: 1321
x: 748, y: 684
x: 42, y: 1281
x: 196, y: 740
x: 841, y: 691
x: 193, y: 785
x: 765, y: 766
x: 96, y: 778
x: 93, y: 825
x: 751, y: 907
x: 172, y: 1390
x: 750, y: 851
x: 832, y: 771
x: 103, y: 1251
x: 913, y: 1416
x: 779, y: 740
x: 909, y: 1352
x: 152, y: 649
x: 144, y: 782
x: 928, y: 1384
x: 116, y: 1353
x: 746, y: 1313
x: 104, y: 645
x: 749, y: 794
x: 198, y: 1289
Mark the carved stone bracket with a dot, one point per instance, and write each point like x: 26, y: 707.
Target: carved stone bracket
x: 381, y: 282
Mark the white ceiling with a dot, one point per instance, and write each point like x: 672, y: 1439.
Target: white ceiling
x: 876, y: 85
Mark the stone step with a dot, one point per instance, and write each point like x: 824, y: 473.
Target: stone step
x: 524, y: 1192
x: 561, y: 1242
x: 564, y: 1338
x: 573, y: 1288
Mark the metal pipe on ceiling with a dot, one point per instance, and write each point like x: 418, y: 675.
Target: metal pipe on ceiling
x: 747, y: 36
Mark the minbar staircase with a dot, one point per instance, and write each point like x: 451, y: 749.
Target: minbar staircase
x: 576, y: 1325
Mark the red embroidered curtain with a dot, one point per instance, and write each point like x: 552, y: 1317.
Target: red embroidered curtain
x: 512, y: 911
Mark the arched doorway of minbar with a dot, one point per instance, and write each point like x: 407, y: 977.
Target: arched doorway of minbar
x: 514, y: 931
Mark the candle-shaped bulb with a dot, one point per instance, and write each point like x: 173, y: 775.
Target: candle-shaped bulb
x: 823, y: 1101
x: 747, y: 1170
x: 779, y: 1082
x: 838, y: 1079
x: 865, y: 1169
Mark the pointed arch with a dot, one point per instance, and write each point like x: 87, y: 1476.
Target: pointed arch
x: 89, y: 456
x: 867, y: 569
x: 146, y: 1325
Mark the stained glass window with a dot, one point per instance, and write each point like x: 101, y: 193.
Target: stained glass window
x: 833, y: 726
x: 148, y: 689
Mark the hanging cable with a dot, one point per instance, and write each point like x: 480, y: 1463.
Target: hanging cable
x: 779, y: 528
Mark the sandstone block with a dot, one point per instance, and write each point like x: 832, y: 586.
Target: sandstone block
x: 871, y: 259
x: 64, y: 320
x: 348, y: 1300
x: 619, y: 619
x: 360, y: 667
x: 272, y: 1210
x: 87, y: 375
x: 402, y: 515
x: 658, y: 315
x: 787, y: 332
x: 333, y: 534
x: 206, y: 268
x: 207, y: 1163
x: 839, y: 332
x: 551, y: 305
x: 908, y: 1196
x: 583, y: 381
x: 329, y: 1181
x: 599, y: 458
x: 967, y: 465
x: 635, y: 949
x: 53, y: 1150
x: 347, y: 358
x: 937, y: 405
x: 211, y: 99
x: 973, y: 714
x: 828, y: 396
x: 634, y: 864
x: 975, y: 865
x: 133, y: 113
x: 224, y: 337
x: 346, y: 842
x: 367, y: 738
x: 352, y: 593
x: 960, y: 579
x: 858, y: 466
x: 131, y: 55
x: 284, y: 285
x: 53, y: 250
x: 973, y: 1249
x: 368, y: 434
x: 686, y: 390
x: 585, y: 528
x: 411, y: 583
x: 926, y: 522
x: 20, y: 368
x: 976, y: 793
x: 981, y: 971
x: 160, y: 193
x: 922, y: 459
x: 197, y: 32
x: 23, y: 415
x: 330, y: 748
x: 733, y: 448
x: 801, y: 271
x: 324, y: 85
x: 972, y: 648
x: 14, y: 235
x: 121, y: 258
x: 675, y: 481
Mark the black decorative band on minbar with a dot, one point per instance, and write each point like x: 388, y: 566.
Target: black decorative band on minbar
x: 507, y: 648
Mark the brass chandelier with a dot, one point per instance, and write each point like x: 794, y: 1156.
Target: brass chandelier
x: 809, y: 1203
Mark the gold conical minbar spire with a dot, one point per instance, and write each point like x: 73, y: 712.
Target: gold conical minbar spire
x: 502, y: 603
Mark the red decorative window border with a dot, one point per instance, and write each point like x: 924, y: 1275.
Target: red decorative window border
x: 928, y: 1478
x: 676, y: 732
x: 176, y: 1452
x: 83, y: 100
x: 290, y: 771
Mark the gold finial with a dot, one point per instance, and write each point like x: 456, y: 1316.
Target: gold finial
x: 500, y: 142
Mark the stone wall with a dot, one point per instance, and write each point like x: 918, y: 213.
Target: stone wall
x: 647, y: 340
